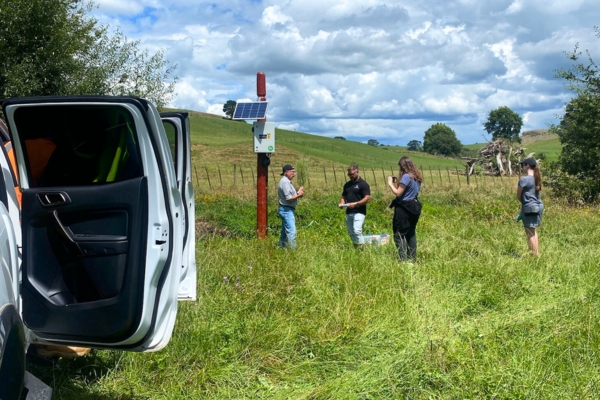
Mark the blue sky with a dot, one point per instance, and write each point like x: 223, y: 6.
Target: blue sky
x: 370, y: 69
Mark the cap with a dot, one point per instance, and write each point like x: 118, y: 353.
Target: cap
x: 286, y: 168
x: 529, y: 161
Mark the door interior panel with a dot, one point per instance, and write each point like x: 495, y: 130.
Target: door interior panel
x: 86, y: 254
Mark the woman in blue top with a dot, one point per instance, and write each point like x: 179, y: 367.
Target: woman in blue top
x: 407, y: 208
x: 528, y: 193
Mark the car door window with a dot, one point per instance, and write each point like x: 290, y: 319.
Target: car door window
x: 83, y: 145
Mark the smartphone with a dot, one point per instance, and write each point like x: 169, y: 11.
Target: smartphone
x: 394, y: 179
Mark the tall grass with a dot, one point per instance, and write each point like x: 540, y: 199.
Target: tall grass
x: 475, y: 317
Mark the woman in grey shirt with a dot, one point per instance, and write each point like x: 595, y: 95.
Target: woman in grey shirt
x: 528, y: 193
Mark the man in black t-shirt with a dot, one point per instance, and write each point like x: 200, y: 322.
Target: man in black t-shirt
x: 355, y: 196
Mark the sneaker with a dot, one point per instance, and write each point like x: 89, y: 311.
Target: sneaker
x: 56, y: 351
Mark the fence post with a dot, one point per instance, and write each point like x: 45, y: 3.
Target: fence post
x: 254, y: 180
x: 242, y: 175
x: 234, y: 174
x: 475, y: 176
x: 324, y: 174
x: 207, y: 177
x: 440, y: 172
x: 468, y: 177
x: 374, y: 180
x: 220, y: 178
x: 197, y: 180
x: 334, y: 174
x: 448, y: 171
x: 383, y: 174
x: 431, y: 174
x: 457, y: 176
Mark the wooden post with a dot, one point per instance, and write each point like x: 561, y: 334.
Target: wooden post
x: 448, y: 171
x: 440, y: 173
x: 242, y: 175
x: 197, y: 180
x: 468, y: 177
x: 334, y: 175
x: 220, y: 178
x: 383, y: 175
x: 207, y: 177
x: 234, y: 174
x: 324, y: 174
x: 374, y: 180
x: 457, y: 176
x: 431, y: 174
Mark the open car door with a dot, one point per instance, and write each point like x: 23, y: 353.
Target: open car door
x: 102, y: 221
x: 177, y: 128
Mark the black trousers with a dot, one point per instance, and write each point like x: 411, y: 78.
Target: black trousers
x: 406, y: 244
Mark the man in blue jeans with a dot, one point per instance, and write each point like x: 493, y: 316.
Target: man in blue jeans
x: 355, y: 196
x: 288, y: 200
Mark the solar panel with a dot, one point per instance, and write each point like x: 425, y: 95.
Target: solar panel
x: 254, y: 110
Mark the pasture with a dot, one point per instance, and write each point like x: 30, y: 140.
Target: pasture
x: 475, y: 317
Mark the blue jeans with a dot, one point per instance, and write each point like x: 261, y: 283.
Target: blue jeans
x: 288, y: 227
x: 354, y: 224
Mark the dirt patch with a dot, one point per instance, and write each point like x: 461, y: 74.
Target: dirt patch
x: 207, y: 229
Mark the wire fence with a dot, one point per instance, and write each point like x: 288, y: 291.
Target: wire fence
x: 215, y: 176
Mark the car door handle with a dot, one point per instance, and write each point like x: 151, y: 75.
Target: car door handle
x: 51, y: 199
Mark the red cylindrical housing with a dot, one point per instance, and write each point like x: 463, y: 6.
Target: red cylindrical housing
x: 261, y: 84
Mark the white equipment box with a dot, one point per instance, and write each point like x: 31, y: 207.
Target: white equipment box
x: 264, y: 137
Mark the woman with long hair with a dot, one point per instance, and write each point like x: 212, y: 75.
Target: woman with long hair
x: 528, y: 193
x: 407, y: 208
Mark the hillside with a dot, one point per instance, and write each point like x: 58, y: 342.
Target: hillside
x: 220, y: 142
x: 537, y: 135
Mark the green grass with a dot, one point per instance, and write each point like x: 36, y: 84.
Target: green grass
x: 476, y: 317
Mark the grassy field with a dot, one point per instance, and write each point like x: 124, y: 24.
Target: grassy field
x: 476, y: 317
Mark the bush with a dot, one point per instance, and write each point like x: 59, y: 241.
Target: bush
x: 574, y: 190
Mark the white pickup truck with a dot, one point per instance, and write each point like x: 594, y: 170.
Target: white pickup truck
x: 97, y: 233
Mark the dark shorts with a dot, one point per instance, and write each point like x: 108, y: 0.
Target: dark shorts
x: 532, y: 220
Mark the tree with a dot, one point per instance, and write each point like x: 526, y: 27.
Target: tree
x: 441, y: 139
x: 579, y: 130
x: 229, y: 108
x: 415, y: 145
x: 504, y: 123
x: 340, y: 137
x: 52, y: 47
x: 373, y: 142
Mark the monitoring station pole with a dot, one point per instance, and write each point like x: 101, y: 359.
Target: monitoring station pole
x: 262, y: 165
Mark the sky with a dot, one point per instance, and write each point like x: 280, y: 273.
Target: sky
x: 369, y: 69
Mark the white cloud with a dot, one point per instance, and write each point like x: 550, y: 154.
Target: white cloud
x: 368, y: 69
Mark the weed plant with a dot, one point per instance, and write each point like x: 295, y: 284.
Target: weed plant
x: 476, y: 317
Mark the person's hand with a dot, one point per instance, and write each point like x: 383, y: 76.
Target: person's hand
x: 301, y: 191
x: 341, y: 205
x: 351, y: 205
x: 391, y: 180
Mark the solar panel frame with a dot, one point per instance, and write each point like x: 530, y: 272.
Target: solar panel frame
x: 250, y: 110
